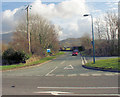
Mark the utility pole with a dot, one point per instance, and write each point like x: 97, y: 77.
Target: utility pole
x: 28, y: 32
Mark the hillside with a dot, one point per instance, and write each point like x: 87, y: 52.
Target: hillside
x: 5, y: 38
x: 70, y: 42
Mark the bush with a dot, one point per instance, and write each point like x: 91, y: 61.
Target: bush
x: 10, y: 56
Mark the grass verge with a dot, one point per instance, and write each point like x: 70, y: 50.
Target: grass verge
x: 21, y: 65
x: 108, y: 64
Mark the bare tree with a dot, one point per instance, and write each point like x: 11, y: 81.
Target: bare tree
x: 19, y: 39
x: 86, y: 41
x: 99, y: 28
x: 44, y: 32
x: 119, y: 28
x: 111, y: 19
x: 3, y: 47
x: 108, y: 28
x: 42, y: 35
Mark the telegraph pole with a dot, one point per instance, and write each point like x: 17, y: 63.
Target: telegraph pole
x: 28, y: 33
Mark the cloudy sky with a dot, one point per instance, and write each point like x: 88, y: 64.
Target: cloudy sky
x: 68, y: 14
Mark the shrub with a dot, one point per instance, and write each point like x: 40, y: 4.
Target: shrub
x: 10, y: 56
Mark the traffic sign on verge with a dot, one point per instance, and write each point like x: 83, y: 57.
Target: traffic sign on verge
x: 48, y: 50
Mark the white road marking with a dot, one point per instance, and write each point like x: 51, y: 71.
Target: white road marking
x: 99, y: 71
x: 109, y: 74
x: 117, y: 73
x: 100, y: 95
x: 39, y: 75
x: 85, y: 60
x: 48, y: 74
x: 69, y: 67
x: 82, y: 61
x: 84, y: 75
x: 72, y: 94
x: 62, y: 62
x: 78, y: 87
x: 60, y: 75
x: 72, y: 74
x: 53, y: 92
x: 96, y: 74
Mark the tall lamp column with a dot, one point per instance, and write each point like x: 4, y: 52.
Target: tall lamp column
x: 93, y: 43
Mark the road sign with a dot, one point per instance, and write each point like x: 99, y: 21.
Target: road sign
x: 48, y: 50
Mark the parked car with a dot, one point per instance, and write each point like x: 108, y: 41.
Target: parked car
x: 76, y: 50
x: 75, y: 53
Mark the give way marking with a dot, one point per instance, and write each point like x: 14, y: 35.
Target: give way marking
x: 69, y: 67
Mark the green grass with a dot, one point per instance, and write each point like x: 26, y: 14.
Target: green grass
x: 8, y: 67
x: 60, y: 53
x: 112, y: 63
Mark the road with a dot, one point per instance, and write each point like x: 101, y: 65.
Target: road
x: 61, y: 76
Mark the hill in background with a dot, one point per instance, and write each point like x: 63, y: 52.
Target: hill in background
x: 6, y: 38
x: 70, y: 42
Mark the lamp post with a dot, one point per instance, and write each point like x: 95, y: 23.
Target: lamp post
x: 28, y: 33
x: 93, y: 43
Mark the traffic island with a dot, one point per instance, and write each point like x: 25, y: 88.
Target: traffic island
x: 110, y: 65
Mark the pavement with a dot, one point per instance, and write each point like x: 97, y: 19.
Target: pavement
x: 64, y: 76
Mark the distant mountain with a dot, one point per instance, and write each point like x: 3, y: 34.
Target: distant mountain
x: 6, y: 38
x: 70, y: 42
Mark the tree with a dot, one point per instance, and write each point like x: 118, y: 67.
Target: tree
x: 119, y: 28
x: 3, y: 47
x: 43, y: 35
x: 86, y: 41
x: 99, y: 28
x: 111, y: 20
x: 10, y: 56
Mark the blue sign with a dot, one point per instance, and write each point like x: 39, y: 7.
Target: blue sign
x: 48, y: 50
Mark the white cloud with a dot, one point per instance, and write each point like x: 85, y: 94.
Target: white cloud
x: 8, y: 21
x: 67, y: 14
x: 114, y: 8
x: 66, y: 9
x: 59, y: 0
x: 96, y: 11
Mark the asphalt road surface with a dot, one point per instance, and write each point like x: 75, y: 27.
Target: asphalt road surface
x: 63, y: 76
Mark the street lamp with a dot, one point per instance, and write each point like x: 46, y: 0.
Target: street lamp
x: 93, y: 43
